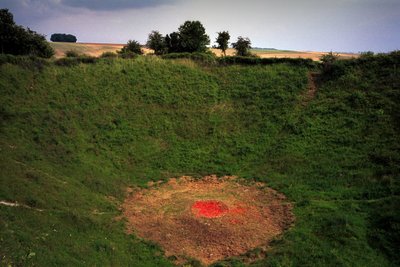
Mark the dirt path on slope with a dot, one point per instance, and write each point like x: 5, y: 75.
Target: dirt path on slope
x: 16, y: 204
x: 309, y: 95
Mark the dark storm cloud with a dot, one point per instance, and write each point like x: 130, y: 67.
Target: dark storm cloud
x: 115, y: 4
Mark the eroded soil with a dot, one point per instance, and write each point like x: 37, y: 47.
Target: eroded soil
x: 207, y: 219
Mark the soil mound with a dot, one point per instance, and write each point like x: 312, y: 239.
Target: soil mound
x: 207, y: 219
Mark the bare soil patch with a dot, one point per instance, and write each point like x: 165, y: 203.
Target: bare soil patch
x: 309, y: 95
x: 207, y: 219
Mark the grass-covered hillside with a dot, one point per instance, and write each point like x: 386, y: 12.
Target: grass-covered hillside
x: 73, y: 138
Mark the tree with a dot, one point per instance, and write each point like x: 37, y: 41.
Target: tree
x: 193, y: 37
x: 156, y: 42
x: 132, y: 47
x: 222, y: 41
x: 16, y: 40
x: 173, y: 43
x: 6, y: 17
x: 167, y: 41
x: 62, y: 37
x: 242, y: 46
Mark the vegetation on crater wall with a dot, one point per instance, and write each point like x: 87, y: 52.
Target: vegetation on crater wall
x: 73, y: 137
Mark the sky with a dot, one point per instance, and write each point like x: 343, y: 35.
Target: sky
x: 306, y: 25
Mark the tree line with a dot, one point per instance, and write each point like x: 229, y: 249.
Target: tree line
x: 191, y: 37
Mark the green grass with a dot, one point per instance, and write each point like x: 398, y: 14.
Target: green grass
x: 73, y: 138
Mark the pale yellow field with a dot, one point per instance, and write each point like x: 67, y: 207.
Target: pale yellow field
x: 284, y: 54
x: 90, y: 49
x: 96, y: 49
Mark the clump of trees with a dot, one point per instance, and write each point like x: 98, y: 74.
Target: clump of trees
x: 17, y: 40
x: 242, y: 46
x: 62, y: 37
x: 191, y: 37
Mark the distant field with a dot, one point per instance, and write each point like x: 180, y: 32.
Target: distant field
x: 284, y: 53
x: 96, y: 49
x: 91, y: 49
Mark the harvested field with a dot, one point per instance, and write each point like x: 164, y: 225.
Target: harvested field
x: 96, y: 49
x: 207, y: 219
x: 285, y: 54
x: 90, y: 49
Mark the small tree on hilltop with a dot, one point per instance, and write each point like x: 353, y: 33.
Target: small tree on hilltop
x: 242, y: 46
x: 131, y: 48
x: 193, y: 37
x: 222, y: 41
x: 156, y: 42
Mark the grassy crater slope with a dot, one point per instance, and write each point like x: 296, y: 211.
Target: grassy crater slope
x: 73, y: 138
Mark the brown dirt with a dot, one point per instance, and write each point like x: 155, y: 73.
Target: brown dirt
x: 164, y: 213
x: 311, y: 92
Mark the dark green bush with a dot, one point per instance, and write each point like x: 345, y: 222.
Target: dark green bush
x: 72, y: 61
x: 67, y: 61
x: 335, y: 70
x: 176, y: 55
x: 87, y: 59
x: 199, y: 57
x: 305, y: 62
x: 128, y: 55
x: 109, y: 55
x: 384, y: 231
x: 71, y: 53
x: 381, y: 59
x: 131, y: 48
x: 24, y: 61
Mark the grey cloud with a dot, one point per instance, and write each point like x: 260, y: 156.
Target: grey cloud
x: 115, y: 4
x: 341, y: 25
x: 27, y: 12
